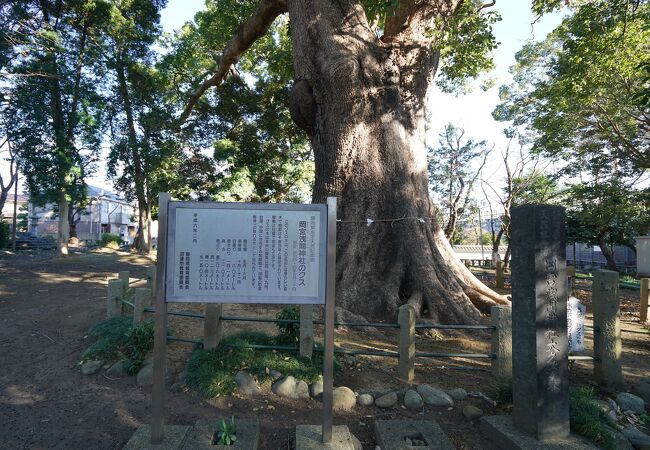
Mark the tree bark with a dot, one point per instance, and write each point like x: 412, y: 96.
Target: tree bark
x: 64, y: 226
x: 368, y: 140
x: 607, y: 253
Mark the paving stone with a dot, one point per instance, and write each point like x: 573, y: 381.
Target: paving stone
x: 174, y: 438
x: 396, y: 434
x: 309, y: 437
x: 200, y: 436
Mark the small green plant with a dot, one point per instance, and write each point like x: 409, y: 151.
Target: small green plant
x: 589, y: 420
x: 138, y: 343
x: 289, y: 332
x: 117, y: 338
x: 5, y: 232
x: 503, y: 394
x: 107, y: 238
x: 226, y: 434
x: 212, y: 372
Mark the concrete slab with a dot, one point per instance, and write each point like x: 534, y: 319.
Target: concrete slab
x: 393, y: 434
x: 200, y: 437
x: 501, y: 434
x: 308, y: 437
x: 174, y: 437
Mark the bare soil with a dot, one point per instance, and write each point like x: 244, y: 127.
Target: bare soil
x: 47, y: 306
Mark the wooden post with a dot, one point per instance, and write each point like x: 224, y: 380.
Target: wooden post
x: 502, y: 342
x: 160, y: 331
x: 113, y: 301
x: 406, y: 344
x: 212, y: 325
x: 151, y: 279
x: 306, y: 331
x: 141, y: 299
x: 571, y: 274
x: 124, y: 275
x: 643, y: 301
x: 499, y: 274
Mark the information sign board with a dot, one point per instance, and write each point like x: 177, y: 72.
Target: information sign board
x: 246, y: 253
x: 576, y: 325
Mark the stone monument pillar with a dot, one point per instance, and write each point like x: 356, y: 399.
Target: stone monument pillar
x: 539, y: 328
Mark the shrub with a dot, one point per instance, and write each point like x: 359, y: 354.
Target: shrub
x: 212, y: 372
x: 5, y: 234
x: 107, y: 238
x: 117, y: 338
x: 289, y: 332
x: 589, y: 420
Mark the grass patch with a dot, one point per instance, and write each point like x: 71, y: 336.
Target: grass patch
x: 118, y: 338
x: 212, y: 372
x: 589, y: 420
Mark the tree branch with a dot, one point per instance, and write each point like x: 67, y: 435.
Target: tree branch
x: 245, y: 36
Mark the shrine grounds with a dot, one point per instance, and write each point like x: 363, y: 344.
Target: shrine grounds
x: 47, y: 306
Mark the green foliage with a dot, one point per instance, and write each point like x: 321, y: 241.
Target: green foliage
x: 107, y: 238
x: 138, y: 342
x: 117, y: 338
x: 580, y: 91
x: 466, y: 45
x: 5, y: 233
x: 589, y: 420
x: 503, y: 394
x: 289, y: 332
x: 227, y: 432
x: 212, y: 372
x: 110, y: 334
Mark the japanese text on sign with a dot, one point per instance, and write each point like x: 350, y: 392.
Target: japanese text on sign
x: 239, y: 255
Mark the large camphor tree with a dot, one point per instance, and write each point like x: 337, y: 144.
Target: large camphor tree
x: 362, y: 73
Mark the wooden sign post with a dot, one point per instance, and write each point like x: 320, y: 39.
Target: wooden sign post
x: 211, y: 252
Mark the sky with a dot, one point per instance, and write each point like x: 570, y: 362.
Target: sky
x: 471, y: 111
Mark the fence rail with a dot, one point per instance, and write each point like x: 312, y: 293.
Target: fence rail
x: 500, y: 329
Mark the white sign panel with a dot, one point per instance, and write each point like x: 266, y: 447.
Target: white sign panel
x: 576, y: 325
x: 246, y: 253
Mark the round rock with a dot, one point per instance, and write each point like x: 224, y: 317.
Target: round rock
x: 246, y: 384
x: 365, y: 399
x: 458, y: 394
x: 117, y: 370
x: 387, y: 400
x: 91, y: 367
x: 637, y: 438
x: 434, y: 396
x: 472, y: 412
x: 291, y: 388
x: 630, y: 402
x: 343, y: 399
x: 413, y: 400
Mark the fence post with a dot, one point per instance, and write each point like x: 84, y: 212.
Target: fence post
x: 499, y: 274
x: 306, y: 331
x: 502, y: 342
x: 607, y: 329
x: 406, y: 344
x: 571, y: 273
x: 643, y: 301
x: 151, y: 279
x: 141, y: 299
x: 115, y: 292
x: 124, y: 275
x: 212, y: 325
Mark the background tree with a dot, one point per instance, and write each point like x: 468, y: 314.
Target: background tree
x: 524, y: 183
x: 451, y: 175
x: 53, y: 108
x: 581, y: 90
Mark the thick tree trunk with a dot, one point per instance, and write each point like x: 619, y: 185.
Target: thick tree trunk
x: 142, y: 237
x: 64, y: 226
x: 363, y: 100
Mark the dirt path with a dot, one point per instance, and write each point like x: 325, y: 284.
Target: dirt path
x: 47, y: 306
